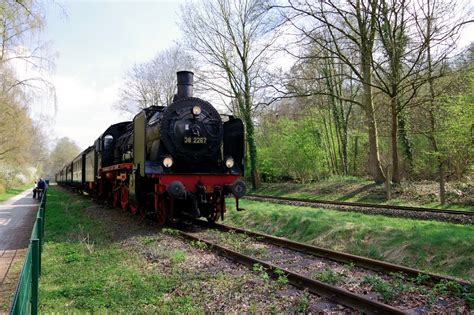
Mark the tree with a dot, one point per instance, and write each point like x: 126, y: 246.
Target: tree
x: 12, y: 138
x: 439, y: 30
x: 233, y: 39
x: 347, y: 32
x: 325, y: 84
x: 64, y: 151
x: 153, y: 82
x: 20, y: 24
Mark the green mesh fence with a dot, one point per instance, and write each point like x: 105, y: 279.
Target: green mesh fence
x: 26, y: 295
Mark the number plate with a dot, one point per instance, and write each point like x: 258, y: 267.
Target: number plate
x: 195, y: 140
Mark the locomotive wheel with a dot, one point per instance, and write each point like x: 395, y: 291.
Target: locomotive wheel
x: 216, y: 210
x: 162, y: 212
x: 142, y: 213
x: 212, y: 217
x: 115, y: 198
x: 134, y: 207
x: 124, y: 197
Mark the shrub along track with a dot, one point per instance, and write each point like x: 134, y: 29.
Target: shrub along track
x: 443, y: 215
x: 357, y: 282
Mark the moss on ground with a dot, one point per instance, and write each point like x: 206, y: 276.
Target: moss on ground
x: 432, y: 246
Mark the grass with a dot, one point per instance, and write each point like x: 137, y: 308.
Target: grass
x: 353, y: 189
x: 100, y: 262
x: 329, y: 276
x: 432, y: 246
x: 85, y: 270
x: 13, y: 192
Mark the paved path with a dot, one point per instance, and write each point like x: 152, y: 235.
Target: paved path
x: 17, y: 216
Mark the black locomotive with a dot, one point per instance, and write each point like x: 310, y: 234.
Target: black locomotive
x: 182, y: 159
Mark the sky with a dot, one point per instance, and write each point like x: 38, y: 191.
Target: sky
x: 95, y: 43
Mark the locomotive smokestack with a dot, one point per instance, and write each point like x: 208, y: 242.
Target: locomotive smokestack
x: 185, y: 84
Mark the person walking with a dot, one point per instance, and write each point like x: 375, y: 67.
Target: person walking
x: 41, y: 187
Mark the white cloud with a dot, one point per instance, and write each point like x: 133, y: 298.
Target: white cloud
x: 85, y: 109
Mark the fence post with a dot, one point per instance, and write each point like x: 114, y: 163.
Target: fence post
x: 34, y: 275
x: 39, y: 224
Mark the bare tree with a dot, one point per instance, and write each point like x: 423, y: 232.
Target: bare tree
x: 21, y: 22
x: 233, y: 40
x: 153, y: 82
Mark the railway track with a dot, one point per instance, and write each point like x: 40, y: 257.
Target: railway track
x: 443, y: 215
x: 363, y: 302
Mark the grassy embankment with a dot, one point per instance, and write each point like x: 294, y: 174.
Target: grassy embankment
x: 433, y: 246
x: 423, y: 194
x: 85, y: 268
x: 13, y: 192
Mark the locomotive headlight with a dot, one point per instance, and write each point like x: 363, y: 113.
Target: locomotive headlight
x: 168, y: 161
x: 229, y: 162
x: 196, y: 110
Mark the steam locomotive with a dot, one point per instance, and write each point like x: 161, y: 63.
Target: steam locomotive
x: 181, y: 160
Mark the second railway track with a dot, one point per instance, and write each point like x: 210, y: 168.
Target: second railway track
x: 298, y: 261
x: 443, y: 215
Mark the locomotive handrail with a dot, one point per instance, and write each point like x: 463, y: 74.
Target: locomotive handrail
x: 26, y: 294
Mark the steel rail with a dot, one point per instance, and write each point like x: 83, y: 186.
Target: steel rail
x: 363, y: 262
x: 336, y: 294
x: 366, y: 205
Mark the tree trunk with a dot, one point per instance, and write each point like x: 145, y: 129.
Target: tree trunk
x: 375, y: 168
x: 403, y: 137
x: 356, y: 154
x: 395, y: 159
x: 374, y: 160
x: 252, y: 150
x: 442, y: 188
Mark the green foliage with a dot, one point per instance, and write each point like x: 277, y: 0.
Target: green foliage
x: 468, y: 294
x: 421, y: 278
x: 261, y: 271
x: 199, y: 244
x: 329, y: 276
x: 445, y: 287
x: 282, y: 277
x: 303, y: 303
x: 388, y: 291
x: 4, y: 195
x: 64, y: 151
x: 301, y: 140
x: 22, y: 140
x: 177, y: 256
x: 169, y: 231
x: 291, y: 148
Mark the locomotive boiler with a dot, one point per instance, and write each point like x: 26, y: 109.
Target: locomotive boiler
x: 181, y: 160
